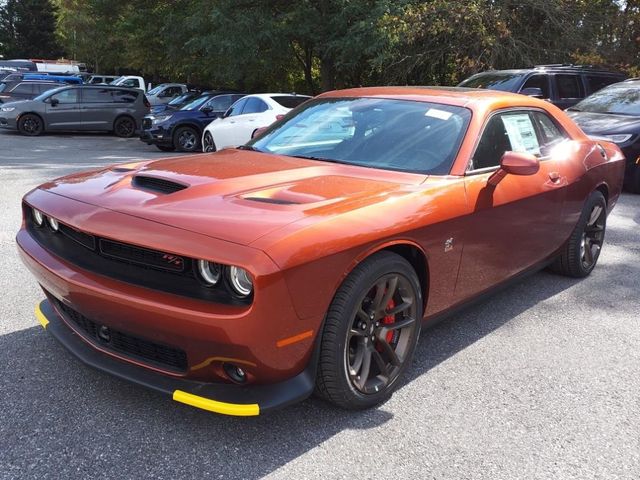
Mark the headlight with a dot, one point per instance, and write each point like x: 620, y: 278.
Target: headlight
x: 209, y: 272
x: 617, y: 138
x: 240, y: 281
x: 8, y: 109
x: 160, y: 119
x: 53, y: 223
x: 37, y: 217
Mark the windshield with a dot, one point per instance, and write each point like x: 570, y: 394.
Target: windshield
x: 115, y: 81
x: 155, y: 90
x: 621, y: 98
x: 400, y: 135
x: 196, y: 103
x: 181, y: 99
x: 507, y: 82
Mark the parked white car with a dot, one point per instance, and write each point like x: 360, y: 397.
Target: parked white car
x: 247, y: 115
x: 130, y: 81
x: 165, y: 92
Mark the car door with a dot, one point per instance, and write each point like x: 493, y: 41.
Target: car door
x: 568, y: 88
x: 517, y: 223
x: 223, y: 129
x: 249, y: 120
x: 63, y: 110
x: 97, y: 108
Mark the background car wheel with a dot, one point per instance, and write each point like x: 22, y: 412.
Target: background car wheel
x: 30, y: 124
x: 581, y: 252
x: 166, y: 148
x: 186, y: 139
x: 124, y: 127
x: 370, y: 333
x: 208, y: 144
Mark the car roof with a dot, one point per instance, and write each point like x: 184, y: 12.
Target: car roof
x: 554, y: 68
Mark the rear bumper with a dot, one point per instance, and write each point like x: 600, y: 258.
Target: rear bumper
x: 226, y: 399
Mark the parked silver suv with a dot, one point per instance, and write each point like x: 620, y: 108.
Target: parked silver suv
x: 78, y: 108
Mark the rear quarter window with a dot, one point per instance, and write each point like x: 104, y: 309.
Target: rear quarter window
x: 124, y: 96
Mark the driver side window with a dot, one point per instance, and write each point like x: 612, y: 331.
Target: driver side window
x: 513, y: 131
x: 236, y: 108
x: 66, y: 96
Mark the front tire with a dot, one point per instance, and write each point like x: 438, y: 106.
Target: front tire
x: 208, y: 145
x: 370, y: 333
x: 580, y: 254
x: 30, y: 125
x: 186, y: 139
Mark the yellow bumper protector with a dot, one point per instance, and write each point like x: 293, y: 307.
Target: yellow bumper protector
x: 41, y: 318
x: 238, y: 410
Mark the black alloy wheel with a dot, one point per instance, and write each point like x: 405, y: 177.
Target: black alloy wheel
x: 208, y: 145
x: 30, y: 125
x: 186, y: 139
x: 370, y: 332
x: 580, y: 254
x: 124, y: 127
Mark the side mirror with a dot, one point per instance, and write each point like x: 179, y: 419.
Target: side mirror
x: 226, y: 114
x: 515, y: 163
x: 532, y: 92
x: 54, y: 102
x: 206, y: 110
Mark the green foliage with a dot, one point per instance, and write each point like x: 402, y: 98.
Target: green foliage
x: 315, y: 45
x: 27, y: 29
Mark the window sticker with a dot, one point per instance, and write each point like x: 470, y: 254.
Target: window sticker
x: 521, y: 133
x: 435, y: 113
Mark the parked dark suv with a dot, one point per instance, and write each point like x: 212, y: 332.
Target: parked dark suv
x: 82, y: 108
x: 562, y: 85
x: 182, y: 129
x: 13, y: 91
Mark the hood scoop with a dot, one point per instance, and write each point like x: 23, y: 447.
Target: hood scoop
x: 275, y: 201
x: 156, y: 184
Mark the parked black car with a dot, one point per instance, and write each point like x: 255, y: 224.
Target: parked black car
x: 613, y: 113
x: 182, y: 129
x: 177, y: 103
x: 13, y: 91
x: 82, y: 108
x: 562, y: 85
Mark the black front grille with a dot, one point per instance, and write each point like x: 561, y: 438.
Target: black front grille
x: 142, y: 256
x: 157, y: 184
x: 146, y: 123
x: 141, y: 266
x: 130, y: 345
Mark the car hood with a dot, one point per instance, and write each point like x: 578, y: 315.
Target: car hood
x: 233, y: 195
x: 604, y: 123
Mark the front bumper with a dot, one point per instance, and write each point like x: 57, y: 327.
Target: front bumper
x: 226, y: 399
x: 8, y: 122
x: 157, y: 136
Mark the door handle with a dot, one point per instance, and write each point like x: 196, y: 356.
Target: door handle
x: 554, y: 176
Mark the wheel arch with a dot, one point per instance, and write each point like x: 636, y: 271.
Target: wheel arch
x: 604, y: 189
x: 411, y: 252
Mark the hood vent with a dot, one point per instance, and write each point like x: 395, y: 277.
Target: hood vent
x: 276, y: 201
x: 157, y: 184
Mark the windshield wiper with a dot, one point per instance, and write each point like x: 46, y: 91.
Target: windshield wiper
x: 311, y: 157
x: 247, y: 147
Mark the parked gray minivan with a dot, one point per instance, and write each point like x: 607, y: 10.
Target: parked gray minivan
x: 78, y: 108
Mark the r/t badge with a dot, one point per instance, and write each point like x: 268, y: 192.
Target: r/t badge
x: 448, y: 244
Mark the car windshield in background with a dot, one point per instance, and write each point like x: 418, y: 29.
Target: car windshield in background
x: 494, y: 81
x: 400, y: 135
x: 155, y: 90
x: 617, y: 99
x: 180, y: 99
x: 196, y: 103
x: 290, y: 101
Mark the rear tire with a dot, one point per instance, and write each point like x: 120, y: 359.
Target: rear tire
x: 370, y: 333
x: 30, y: 125
x: 186, y: 139
x: 581, y: 252
x: 124, y: 127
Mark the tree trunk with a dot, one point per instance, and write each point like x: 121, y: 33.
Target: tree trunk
x: 327, y: 74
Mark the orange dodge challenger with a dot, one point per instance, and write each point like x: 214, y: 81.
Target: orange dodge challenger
x: 310, y: 258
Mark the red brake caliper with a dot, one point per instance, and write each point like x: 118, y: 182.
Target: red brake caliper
x: 387, y: 320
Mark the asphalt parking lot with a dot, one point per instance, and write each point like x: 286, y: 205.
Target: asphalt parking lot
x: 541, y: 381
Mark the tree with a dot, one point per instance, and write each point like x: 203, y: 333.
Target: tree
x: 27, y: 29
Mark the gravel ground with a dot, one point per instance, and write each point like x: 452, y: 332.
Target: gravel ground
x: 540, y: 381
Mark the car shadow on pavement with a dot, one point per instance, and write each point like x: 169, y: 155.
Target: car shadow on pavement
x: 96, y: 421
